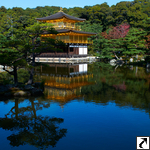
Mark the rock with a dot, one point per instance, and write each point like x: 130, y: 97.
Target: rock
x: 113, y: 62
x: 148, y: 65
x: 27, y: 90
x: 37, y: 84
x: 28, y: 87
x: 131, y: 59
x: 9, y: 86
x: 22, y: 93
x: 14, y: 89
x: 119, y: 62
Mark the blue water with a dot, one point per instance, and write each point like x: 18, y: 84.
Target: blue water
x: 111, y: 108
x: 89, y: 125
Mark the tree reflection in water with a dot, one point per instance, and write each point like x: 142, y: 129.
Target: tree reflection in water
x: 31, y: 129
x: 125, y: 86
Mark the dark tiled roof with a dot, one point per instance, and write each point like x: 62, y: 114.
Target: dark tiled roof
x: 60, y: 15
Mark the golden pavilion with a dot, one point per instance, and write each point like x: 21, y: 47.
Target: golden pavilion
x: 76, y: 40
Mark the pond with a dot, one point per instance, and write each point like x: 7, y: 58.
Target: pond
x: 85, y: 106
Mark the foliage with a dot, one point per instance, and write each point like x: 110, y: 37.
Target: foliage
x: 117, y: 32
x: 17, y: 48
x: 23, y: 75
x: 112, y: 24
x: 121, y: 41
x: 135, y: 42
x: 13, y: 52
x: 5, y: 78
x: 135, y: 13
x: 88, y: 27
x: 33, y: 34
x: 126, y: 86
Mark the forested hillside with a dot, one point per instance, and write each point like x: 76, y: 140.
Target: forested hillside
x: 122, y: 29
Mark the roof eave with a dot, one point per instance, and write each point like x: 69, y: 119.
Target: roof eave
x: 38, y: 19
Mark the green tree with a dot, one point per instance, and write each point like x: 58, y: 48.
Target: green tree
x: 134, y: 42
x: 11, y: 55
x: 108, y: 48
x: 33, y: 34
x: 88, y: 27
x: 101, y: 14
x: 120, y: 13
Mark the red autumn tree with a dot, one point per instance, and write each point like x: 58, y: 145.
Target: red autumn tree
x: 117, y: 32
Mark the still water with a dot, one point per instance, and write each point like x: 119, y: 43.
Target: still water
x: 85, y: 106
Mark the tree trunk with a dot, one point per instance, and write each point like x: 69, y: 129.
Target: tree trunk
x: 33, y: 108
x: 136, y: 71
x: 15, y: 75
x: 16, y: 108
x: 30, y: 81
x: 33, y: 54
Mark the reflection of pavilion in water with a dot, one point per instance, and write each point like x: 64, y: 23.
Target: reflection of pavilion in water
x: 63, y: 82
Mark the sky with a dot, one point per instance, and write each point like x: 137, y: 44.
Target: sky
x: 61, y: 3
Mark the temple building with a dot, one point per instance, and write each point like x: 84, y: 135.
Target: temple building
x: 76, y: 40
